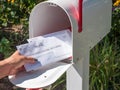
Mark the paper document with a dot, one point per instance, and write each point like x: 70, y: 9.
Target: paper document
x: 64, y: 35
x: 47, y: 49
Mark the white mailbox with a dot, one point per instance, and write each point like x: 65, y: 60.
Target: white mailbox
x: 88, y: 20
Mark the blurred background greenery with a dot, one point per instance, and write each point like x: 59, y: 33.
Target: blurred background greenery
x: 104, y: 57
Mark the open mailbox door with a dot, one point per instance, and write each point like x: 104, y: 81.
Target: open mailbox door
x: 56, y: 15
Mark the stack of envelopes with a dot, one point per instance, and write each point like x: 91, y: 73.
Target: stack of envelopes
x: 47, y: 49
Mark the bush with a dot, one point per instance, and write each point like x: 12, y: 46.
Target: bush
x: 15, y: 12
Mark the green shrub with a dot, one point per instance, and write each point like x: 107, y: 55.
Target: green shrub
x: 15, y: 12
x: 5, y: 47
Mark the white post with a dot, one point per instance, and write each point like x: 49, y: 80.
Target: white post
x: 96, y: 25
x: 78, y: 74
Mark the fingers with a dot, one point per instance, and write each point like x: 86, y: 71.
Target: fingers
x: 16, y: 70
x: 17, y: 60
x: 29, y: 60
x: 16, y: 53
x: 13, y: 72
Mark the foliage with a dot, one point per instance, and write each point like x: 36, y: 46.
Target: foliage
x: 115, y: 36
x: 104, y: 66
x: 15, y: 12
x: 116, y: 19
x: 10, y: 39
x: 5, y: 46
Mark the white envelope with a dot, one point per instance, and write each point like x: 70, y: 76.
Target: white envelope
x: 64, y: 35
x: 48, y: 51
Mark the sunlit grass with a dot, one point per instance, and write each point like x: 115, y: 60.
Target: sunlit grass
x: 104, y: 67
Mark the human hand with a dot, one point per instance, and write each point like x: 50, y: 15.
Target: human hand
x: 17, y: 61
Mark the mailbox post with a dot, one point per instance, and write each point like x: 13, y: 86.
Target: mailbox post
x: 96, y: 25
x: 88, y: 20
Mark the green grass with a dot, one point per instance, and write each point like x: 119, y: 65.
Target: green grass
x: 105, y: 66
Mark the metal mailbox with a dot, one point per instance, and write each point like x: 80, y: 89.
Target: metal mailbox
x: 88, y: 20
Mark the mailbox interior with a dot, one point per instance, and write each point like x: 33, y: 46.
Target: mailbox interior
x: 46, y: 18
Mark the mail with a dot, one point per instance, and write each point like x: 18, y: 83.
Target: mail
x: 47, y: 49
x: 64, y: 35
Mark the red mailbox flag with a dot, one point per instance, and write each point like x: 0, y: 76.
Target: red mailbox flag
x: 80, y: 16
x: 77, y: 14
